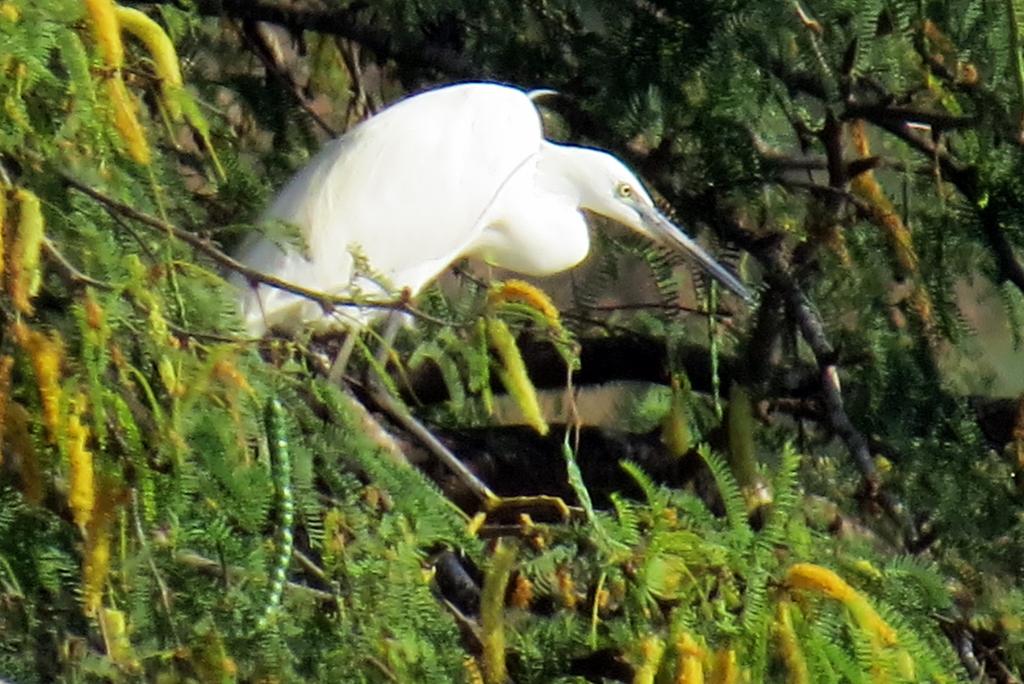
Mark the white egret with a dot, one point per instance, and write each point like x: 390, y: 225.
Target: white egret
x: 462, y: 170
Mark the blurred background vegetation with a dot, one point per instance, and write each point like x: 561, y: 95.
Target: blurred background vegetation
x: 825, y: 486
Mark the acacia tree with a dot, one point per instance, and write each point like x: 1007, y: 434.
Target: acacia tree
x: 802, y: 491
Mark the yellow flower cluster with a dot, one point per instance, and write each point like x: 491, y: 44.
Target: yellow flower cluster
x: 21, y: 242
x: 106, y: 20
x: 45, y: 353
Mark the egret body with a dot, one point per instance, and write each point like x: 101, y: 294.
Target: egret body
x: 462, y: 170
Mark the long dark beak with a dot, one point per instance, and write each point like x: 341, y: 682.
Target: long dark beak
x: 667, y: 233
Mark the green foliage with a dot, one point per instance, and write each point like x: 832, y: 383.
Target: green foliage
x: 174, y: 570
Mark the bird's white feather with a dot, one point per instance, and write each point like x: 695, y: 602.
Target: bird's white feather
x: 406, y: 189
x: 461, y: 170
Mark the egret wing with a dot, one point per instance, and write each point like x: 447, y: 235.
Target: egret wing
x: 404, y: 190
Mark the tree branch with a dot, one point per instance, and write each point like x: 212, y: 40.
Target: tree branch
x: 895, y: 114
x: 347, y: 22
x: 963, y: 176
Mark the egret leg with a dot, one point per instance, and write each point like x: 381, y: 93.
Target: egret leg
x: 491, y: 502
x: 348, y: 346
x: 400, y: 413
x: 341, y: 360
x: 391, y: 326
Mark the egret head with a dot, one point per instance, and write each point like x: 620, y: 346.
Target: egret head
x: 608, y: 188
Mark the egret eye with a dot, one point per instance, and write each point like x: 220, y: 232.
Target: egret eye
x: 625, y: 191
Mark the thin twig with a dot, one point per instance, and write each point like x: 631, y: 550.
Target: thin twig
x: 778, y: 274
x: 862, y: 207
x: 257, y: 35
x: 720, y: 312
x: 401, y: 415
x: 212, y: 567
x: 165, y: 593
x: 897, y: 114
x: 307, y: 562
x: 128, y: 228
x: 71, y: 273
x: 76, y: 277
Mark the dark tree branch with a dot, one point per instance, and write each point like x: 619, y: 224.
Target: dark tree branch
x: 779, y: 275
x: 812, y: 329
x: 260, y: 42
x: 895, y: 114
x: 69, y: 270
x: 963, y: 176
x: 351, y: 22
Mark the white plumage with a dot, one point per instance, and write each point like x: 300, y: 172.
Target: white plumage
x: 462, y: 170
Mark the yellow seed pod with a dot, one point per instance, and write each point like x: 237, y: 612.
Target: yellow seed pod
x: 95, y: 566
x: 811, y: 577
x: 161, y: 49
x: 158, y: 330
x: 106, y: 31
x: 867, y: 568
x: 883, y: 214
x: 522, y: 291
x: 870, y: 621
x: 9, y: 11
x: 473, y: 672
x: 513, y: 374
x: 14, y: 106
x: 789, y: 645
x: 45, y: 354
x: 522, y: 593
x: 492, y: 612
x: 566, y: 587
x: 475, y: 523
x: 125, y: 120
x: 81, y: 475
x: 19, y: 442
x: 211, y: 660
x: 168, y: 376
x: 742, y: 453
x: 724, y: 668
x: 905, y: 665
x: 651, y: 652
x: 24, y: 277
x: 690, y: 665
x: 227, y: 372
x: 676, y: 434
x: 114, y: 628
x: 815, y: 578
x: 94, y: 316
x: 97, y: 538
